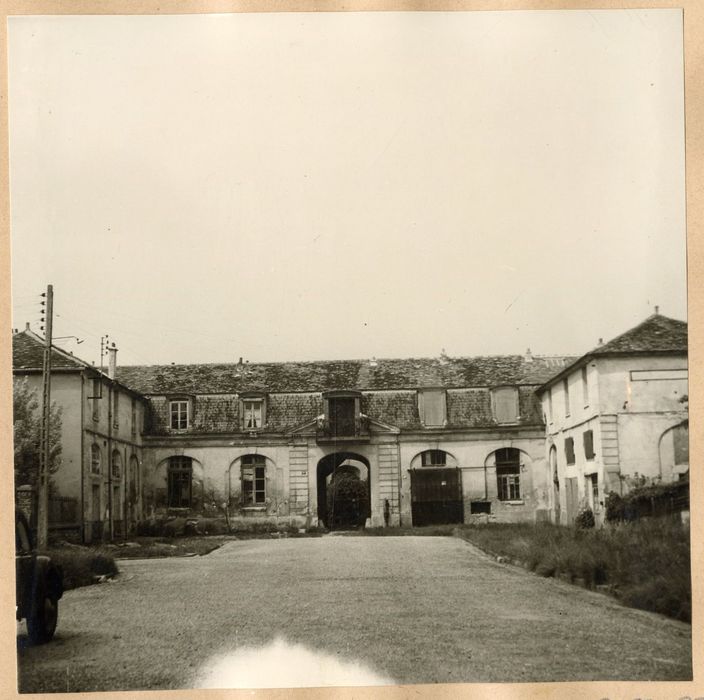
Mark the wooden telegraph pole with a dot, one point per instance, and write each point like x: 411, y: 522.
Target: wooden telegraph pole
x: 44, y: 463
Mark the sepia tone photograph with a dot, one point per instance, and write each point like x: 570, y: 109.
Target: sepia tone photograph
x: 349, y: 349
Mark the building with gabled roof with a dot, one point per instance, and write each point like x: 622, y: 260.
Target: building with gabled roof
x: 433, y: 440
x: 617, y: 417
x: 96, y: 490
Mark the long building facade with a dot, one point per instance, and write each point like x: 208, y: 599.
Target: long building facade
x: 433, y: 440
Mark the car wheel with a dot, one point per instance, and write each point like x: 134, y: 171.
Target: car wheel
x: 41, y: 624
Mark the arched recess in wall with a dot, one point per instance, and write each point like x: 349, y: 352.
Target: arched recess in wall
x: 183, y: 483
x: 673, y: 448
x: 250, y: 479
x: 510, y: 464
x: 433, y: 458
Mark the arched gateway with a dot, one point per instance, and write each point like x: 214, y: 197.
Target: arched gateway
x: 349, y: 510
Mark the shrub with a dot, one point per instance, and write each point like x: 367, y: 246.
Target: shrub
x: 646, y: 563
x: 585, y: 519
x: 82, y: 566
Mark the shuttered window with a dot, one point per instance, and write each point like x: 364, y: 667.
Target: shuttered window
x: 589, y: 444
x: 504, y: 402
x: 432, y: 407
x: 569, y: 450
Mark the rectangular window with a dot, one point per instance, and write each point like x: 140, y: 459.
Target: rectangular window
x: 566, y: 391
x: 96, y: 396
x: 433, y: 458
x: 253, y: 480
x: 585, y: 386
x: 589, y: 444
x: 432, y: 407
x: 505, y: 404
x: 115, y: 408
x: 342, y: 416
x: 179, y: 415
x: 592, y: 488
x: 252, y: 414
x: 569, y: 450
x: 508, y: 482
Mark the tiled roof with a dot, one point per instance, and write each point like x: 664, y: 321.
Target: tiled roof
x: 28, y: 353
x: 361, y: 375
x: 656, y: 334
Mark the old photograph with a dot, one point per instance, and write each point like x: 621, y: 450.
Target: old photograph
x: 349, y: 349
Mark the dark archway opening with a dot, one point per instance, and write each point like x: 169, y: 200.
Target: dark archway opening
x: 344, y: 496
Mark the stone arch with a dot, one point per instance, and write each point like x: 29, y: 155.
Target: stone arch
x: 183, y: 480
x: 326, y: 471
x: 510, y: 463
x: 249, y: 480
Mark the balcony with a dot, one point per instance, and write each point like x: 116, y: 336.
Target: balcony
x: 342, y: 429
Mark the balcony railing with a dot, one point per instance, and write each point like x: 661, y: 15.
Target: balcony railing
x: 355, y: 428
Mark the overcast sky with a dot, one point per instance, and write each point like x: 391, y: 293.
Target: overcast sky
x: 328, y: 186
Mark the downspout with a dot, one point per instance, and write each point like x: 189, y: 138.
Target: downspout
x: 83, y: 464
x: 398, y: 448
x: 110, y: 503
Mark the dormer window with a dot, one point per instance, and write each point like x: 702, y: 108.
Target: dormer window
x: 432, y: 407
x: 504, y: 404
x: 253, y: 411
x: 343, y: 417
x: 179, y: 412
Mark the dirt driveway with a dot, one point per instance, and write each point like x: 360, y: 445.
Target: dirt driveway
x: 408, y: 609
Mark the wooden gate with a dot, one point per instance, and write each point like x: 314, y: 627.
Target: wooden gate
x: 436, y: 496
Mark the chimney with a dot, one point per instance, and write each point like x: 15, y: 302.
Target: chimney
x: 601, y: 341
x: 112, y: 361
x: 26, y: 326
x: 657, y: 309
x: 528, y: 356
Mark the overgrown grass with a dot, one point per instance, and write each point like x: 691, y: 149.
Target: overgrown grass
x: 646, y: 564
x: 82, y: 566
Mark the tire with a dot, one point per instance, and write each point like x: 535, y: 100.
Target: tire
x: 41, y: 624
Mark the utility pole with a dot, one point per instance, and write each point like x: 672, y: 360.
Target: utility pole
x: 43, y: 495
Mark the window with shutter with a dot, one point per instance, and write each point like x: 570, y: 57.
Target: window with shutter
x: 569, y: 450
x: 589, y: 444
x: 505, y: 404
x: 432, y: 407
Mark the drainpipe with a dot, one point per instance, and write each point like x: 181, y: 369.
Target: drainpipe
x: 83, y: 464
x: 110, y: 503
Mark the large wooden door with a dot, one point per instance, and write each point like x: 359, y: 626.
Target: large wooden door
x: 436, y: 496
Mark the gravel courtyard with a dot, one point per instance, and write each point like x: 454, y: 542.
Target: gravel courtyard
x: 404, y: 609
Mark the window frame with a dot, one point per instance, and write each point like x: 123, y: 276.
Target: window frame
x: 423, y: 395
x: 329, y: 399
x: 95, y: 463
x: 179, y: 402
x: 252, y: 398
x: 253, y: 471
x: 116, y: 465
x: 427, y: 459
x: 178, y: 470
x: 508, y: 475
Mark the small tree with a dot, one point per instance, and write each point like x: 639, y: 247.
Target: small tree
x: 27, y: 434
